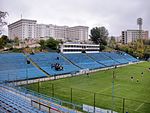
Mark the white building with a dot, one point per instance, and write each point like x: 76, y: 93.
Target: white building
x: 45, y: 31
x: 77, y: 33
x: 22, y: 29
x: 78, y: 48
x: 132, y: 35
x: 60, y: 32
x: 28, y: 29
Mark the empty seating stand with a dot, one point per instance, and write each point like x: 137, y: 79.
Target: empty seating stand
x: 115, y: 56
x: 83, y: 61
x: 128, y: 57
x: 11, y: 102
x: 13, y: 66
x: 103, y: 59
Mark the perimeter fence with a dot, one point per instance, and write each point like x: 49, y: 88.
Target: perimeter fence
x: 96, y: 100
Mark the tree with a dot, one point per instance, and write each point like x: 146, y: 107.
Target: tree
x: 140, y: 48
x: 42, y: 44
x: 2, y: 22
x: 147, y: 52
x: 146, y: 41
x: 99, y: 35
x: 3, y: 41
x: 52, y: 43
x: 112, y: 42
x: 16, y: 41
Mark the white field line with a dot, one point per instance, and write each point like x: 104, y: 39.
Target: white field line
x: 86, y: 97
x: 108, y: 88
x: 139, y: 106
x: 100, y: 91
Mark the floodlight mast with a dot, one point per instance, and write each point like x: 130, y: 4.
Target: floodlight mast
x: 139, y: 23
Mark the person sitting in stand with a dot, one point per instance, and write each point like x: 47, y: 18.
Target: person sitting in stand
x: 52, y: 65
x: 61, y: 67
x: 58, y: 67
x: 57, y: 58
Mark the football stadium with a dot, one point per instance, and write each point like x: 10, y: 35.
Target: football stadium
x: 50, y: 82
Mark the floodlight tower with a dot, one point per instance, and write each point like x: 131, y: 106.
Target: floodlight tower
x: 139, y: 23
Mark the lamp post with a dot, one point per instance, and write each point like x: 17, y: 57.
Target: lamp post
x: 26, y: 73
x: 113, y: 81
x: 113, y: 92
x: 27, y: 62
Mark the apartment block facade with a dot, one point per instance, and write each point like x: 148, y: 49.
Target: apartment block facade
x: 129, y: 36
x: 77, y: 33
x: 22, y: 29
x: 29, y: 29
x: 44, y: 31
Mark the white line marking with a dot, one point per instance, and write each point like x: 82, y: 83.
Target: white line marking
x: 85, y: 97
x: 108, y: 88
x: 99, y: 91
x: 139, y: 107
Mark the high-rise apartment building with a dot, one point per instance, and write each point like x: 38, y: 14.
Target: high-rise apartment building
x: 132, y: 35
x: 22, y: 29
x: 45, y: 31
x: 77, y: 33
x: 60, y: 32
x: 29, y: 29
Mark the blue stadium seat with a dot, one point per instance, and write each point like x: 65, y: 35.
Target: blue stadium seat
x: 83, y: 61
x: 103, y: 59
x: 45, y: 60
x: 116, y: 57
x: 16, y: 103
x: 127, y: 56
x: 13, y: 66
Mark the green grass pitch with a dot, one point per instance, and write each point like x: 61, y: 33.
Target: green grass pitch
x: 136, y: 94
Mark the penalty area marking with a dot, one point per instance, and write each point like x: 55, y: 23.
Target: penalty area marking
x: 139, y: 106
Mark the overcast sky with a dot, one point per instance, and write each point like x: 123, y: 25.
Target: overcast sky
x: 115, y: 15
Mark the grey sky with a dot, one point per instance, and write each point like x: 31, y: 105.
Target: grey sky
x: 115, y: 15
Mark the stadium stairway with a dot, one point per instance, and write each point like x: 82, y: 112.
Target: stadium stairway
x: 47, y: 62
x: 69, y: 60
x: 95, y: 60
x: 127, y: 57
x: 103, y: 59
x: 83, y: 61
x: 100, y: 65
x: 108, y: 54
x: 37, y: 66
x: 14, y: 67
